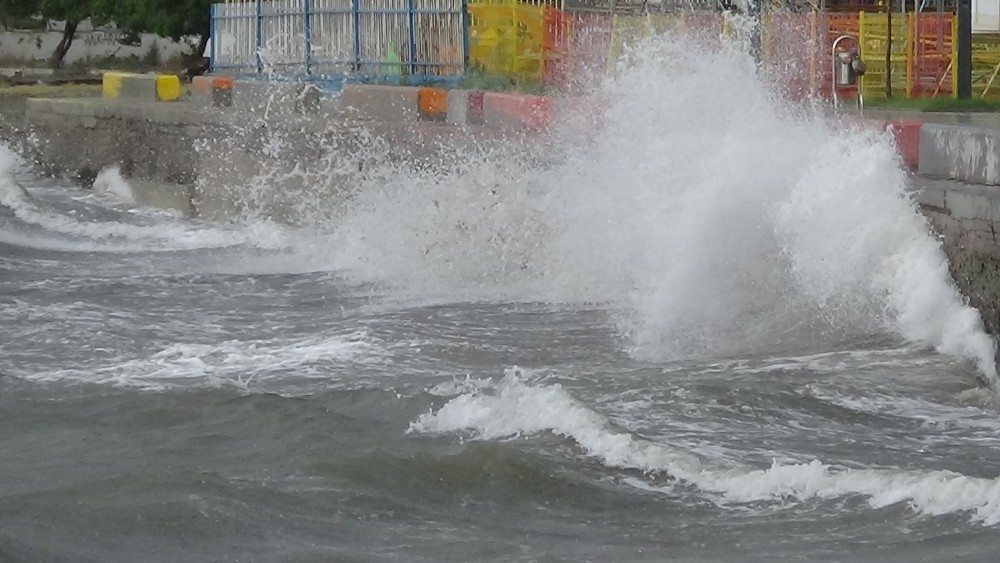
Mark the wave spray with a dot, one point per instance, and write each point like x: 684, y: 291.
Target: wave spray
x: 722, y: 218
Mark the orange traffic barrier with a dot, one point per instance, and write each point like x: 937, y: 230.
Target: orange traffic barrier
x: 432, y: 101
x: 222, y: 83
x: 907, y: 135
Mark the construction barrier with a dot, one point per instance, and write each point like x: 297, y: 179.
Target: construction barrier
x: 505, y: 38
x: 589, y: 41
x: 931, y: 60
x: 985, y: 67
x: 537, y: 41
x: 885, y: 50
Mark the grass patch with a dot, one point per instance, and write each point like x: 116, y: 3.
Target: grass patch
x: 51, y: 90
x: 937, y: 104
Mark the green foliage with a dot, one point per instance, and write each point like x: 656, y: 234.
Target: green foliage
x: 18, y: 8
x: 67, y: 10
x: 167, y: 18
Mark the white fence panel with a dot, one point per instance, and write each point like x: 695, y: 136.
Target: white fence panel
x: 368, y: 38
x: 333, y: 37
x: 234, y: 36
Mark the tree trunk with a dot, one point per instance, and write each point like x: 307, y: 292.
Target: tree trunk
x: 64, y: 44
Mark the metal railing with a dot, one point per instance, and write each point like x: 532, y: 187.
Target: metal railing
x: 344, y: 38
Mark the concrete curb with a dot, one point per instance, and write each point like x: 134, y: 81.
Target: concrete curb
x: 960, y: 152
x: 956, y: 152
x: 215, y: 91
x: 518, y: 110
x: 405, y: 104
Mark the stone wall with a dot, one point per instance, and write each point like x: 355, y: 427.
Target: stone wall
x: 967, y: 218
x: 287, y: 162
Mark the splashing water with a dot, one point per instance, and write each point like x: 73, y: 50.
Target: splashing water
x: 99, y: 235
x: 719, y: 219
x: 722, y: 218
x: 110, y: 181
x: 513, y: 407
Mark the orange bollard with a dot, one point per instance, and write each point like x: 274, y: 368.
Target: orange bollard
x: 432, y: 102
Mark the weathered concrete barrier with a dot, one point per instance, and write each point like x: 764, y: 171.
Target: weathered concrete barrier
x: 465, y: 107
x: 517, y: 110
x: 150, y: 87
x: 401, y: 104
x: 276, y: 97
x: 963, y: 153
x: 381, y: 103
x: 215, y: 91
x: 967, y: 218
x: 432, y: 104
x: 219, y: 163
x: 907, y: 135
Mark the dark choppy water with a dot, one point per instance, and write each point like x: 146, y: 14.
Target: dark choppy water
x: 169, y: 392
x: 688, y: 338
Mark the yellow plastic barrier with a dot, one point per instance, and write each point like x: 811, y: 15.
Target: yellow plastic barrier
x: 627, y: 31
x: 168, y: 87
x: 505, y: 38
x: 158, y: 87
x: 873, y: 34
x: 111, y: 84
x: 986, y: 67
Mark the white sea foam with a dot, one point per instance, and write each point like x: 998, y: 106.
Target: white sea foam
x: 68, y: 232
x: 514, y: 407
x: 721, y: 219
x: 241, y: 363
x: 724, y: 220
x: 110, y: 181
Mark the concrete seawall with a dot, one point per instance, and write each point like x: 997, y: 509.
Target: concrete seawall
x: 210, y: 156
x: 967, y: 220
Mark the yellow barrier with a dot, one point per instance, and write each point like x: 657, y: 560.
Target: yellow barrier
x: 986, y: 67
x: 168, y: 87
x: 505, y: 38
x: 627, y: 31
x: 111, y: 84
x: 514, y: 39
x: 159, y: 87
x: 873, y: 35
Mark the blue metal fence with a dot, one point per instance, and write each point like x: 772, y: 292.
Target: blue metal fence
x: 361, y: 39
